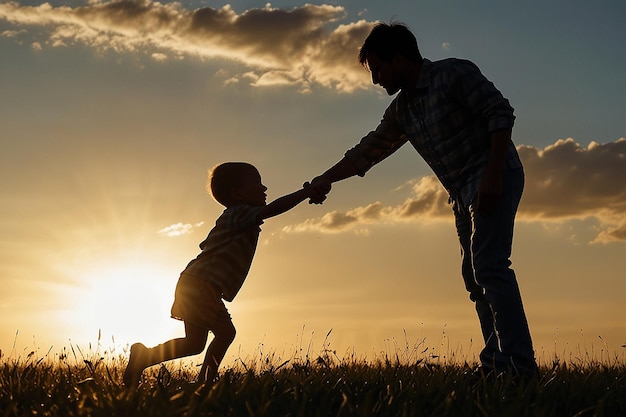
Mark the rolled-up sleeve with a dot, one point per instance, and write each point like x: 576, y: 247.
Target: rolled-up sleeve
x: 377, y: 144
x: 482, y: 96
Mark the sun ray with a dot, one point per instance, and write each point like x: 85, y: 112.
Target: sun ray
x: 129, y: 300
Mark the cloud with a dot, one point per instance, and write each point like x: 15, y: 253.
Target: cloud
x: 179, y: 229
x: 612, y: 234
x: 304, y: 45
x: 12, y: 33
x: 567, y: 181
x: 428, y: 202
x: 159, y: 57
x: 564, y: 181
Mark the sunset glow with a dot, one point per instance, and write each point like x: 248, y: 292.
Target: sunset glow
x: 113, y: 112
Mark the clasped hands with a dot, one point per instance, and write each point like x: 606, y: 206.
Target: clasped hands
x: 317, y: 189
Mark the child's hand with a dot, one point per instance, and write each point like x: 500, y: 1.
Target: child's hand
x: 317, y: 191
x: 309, y: 191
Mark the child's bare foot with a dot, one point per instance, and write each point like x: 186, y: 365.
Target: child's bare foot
x: 137, y: 362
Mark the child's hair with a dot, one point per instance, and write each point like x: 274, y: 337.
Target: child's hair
x: 223, y: 177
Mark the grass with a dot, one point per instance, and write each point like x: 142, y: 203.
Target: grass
x: 409, y: 382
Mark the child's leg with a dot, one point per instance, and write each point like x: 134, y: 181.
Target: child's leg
x: 142, y: 357
x: 224, y: 334
x: 192, y: 344
x: 137, y: 361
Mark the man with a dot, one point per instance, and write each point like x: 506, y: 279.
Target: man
x: 461, y: 125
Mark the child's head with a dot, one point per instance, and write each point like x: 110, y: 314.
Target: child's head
x: 232, y: 183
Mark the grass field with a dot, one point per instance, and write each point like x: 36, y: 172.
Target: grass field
x: 74, y: 383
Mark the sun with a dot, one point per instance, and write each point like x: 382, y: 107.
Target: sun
x: 128, y: 300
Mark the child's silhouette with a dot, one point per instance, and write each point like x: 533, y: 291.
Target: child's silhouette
x: 218, y: 272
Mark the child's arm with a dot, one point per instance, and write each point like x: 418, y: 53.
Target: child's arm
x: 285, y: 203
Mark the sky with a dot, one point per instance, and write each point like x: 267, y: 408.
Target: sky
x: 112, y: 113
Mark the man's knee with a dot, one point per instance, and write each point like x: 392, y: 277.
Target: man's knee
x: 494, y: 273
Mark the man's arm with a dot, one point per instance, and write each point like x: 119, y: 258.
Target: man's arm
x: 321, y: 185
x: 490, y: 189
x: 285, y: 203
x: 373, y: 148
x: 480, y: 95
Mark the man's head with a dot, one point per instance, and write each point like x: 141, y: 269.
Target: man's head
x: 391, y: 53
x: 232, y: 183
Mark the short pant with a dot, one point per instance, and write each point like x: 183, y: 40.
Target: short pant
x: 198, y: 302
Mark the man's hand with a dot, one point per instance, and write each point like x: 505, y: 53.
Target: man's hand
x: 318, y: 189
x: 489, y: 194
x: 490, y: 189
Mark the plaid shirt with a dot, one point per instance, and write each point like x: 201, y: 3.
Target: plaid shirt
x: 228, y: 250
x: 448, y: 120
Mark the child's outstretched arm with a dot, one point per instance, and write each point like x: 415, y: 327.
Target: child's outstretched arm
x: 285, y: 203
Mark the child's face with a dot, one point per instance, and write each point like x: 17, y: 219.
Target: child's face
x: 251, y: 190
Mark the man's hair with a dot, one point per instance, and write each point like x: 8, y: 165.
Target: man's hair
x: 387, y: 40
x: 224, y: 177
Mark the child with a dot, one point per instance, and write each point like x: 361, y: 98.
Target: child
x: 217, y: 273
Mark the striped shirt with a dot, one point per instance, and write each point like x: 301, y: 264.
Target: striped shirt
x: 228, y: 250
x: 448, y: 120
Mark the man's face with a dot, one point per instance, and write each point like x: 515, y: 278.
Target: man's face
x: 384, y: 73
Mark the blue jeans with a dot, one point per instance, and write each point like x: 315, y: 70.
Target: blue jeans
x: 485, y: 249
